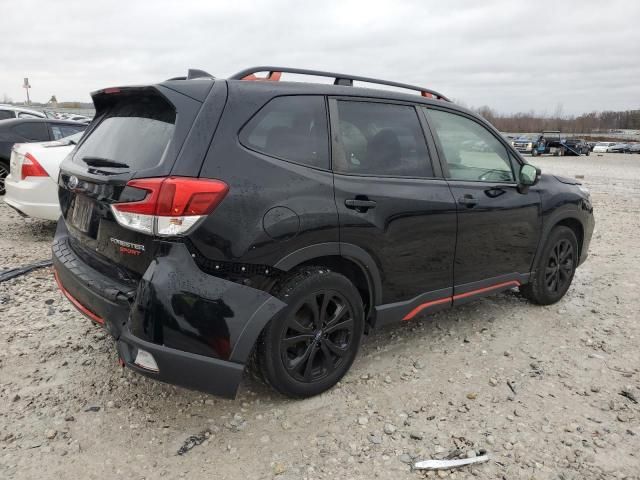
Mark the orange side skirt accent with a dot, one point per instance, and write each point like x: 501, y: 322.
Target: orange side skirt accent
x: 419, y: 308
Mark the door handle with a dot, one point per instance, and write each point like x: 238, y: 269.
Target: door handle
x: 360, y: 204
x: 468, y: 200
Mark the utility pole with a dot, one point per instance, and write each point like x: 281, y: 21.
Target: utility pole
x: 26, y: 86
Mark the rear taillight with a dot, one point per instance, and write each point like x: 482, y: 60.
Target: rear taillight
x: 31, y: 168
x: 172, y: 205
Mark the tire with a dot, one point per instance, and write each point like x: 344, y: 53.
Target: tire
x: 4, y: 171
x: 555, y: 268
x: 306, y: 350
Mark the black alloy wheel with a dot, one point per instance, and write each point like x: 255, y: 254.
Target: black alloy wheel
x: 4, y: 172
x: 309, y: 346
x: 560, y: 266
x: 555, y: 267
x: 317, y: 337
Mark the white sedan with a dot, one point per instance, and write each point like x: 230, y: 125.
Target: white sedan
x: 32, y: 184
x: 603, y: 147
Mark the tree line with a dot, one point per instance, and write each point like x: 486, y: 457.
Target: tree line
x: 585, y: 123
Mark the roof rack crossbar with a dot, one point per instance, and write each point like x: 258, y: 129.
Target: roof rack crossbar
x: 274, y: 73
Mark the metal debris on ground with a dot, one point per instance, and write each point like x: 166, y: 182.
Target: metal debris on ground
x: 193, y: 441
x: 449, y: 464
x: 627, y: 393
x: 512, y: 386
x: 16, y: 272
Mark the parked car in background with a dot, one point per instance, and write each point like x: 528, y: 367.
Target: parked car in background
x: 619, y: 148
x: 9, y: 111
x: 79, y: 118
x: 523, y: 144
x: 577, y: 146
x: 207, y: 222
x: 603, y: 147
x: 634, y: 148
x: 32, y: 184
x: 29, y: 130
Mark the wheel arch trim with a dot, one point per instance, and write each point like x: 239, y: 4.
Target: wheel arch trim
x: 347, y: 250
x: 568, y: 213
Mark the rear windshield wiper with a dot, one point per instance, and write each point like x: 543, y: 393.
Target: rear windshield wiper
x: 103, y: 162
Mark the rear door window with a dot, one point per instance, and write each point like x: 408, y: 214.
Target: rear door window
x: 292, y: 128
x: 134, y: 131
x: 380, y: 139
x: 36, y: 131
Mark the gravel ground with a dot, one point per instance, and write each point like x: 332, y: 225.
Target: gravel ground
x: 547, y: 391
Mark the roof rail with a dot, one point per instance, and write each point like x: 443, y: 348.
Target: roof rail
x: 274, y: 74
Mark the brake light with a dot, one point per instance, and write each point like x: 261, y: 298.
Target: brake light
x: 172, y: 206
x: 31, y: 168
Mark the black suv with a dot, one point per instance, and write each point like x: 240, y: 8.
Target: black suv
x: 213, y: 223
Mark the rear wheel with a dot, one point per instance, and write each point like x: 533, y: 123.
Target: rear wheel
x: 555, y: 268
x: 312, y: 343
x: 4, y: 172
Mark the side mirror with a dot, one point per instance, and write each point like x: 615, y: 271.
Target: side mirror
x: 529, y: 175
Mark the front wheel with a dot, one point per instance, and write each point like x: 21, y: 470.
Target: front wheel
x: 311, y: 344
x: 555, y: 268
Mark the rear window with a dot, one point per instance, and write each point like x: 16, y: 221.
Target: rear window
x: 291, y: 128
x: 133, y: 130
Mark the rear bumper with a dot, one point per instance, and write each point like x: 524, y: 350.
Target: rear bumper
x: 199, y: 329
x: 35, y: 197
x: 188, y: 370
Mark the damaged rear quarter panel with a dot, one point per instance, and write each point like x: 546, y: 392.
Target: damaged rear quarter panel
x: 179, y: 306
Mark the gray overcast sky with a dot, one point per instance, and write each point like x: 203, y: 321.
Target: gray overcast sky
x: 511, y: 55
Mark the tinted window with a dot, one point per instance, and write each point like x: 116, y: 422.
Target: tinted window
x: 290, y: 128
x: 135, y: 131
x: 471, y: 151
x: 61, y: 131
x: 36, y: 131
x: 4, y: 114
x: 380, y: 139
x: 27, y: 115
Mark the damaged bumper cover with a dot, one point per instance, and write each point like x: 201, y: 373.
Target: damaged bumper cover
x: 199, y: 329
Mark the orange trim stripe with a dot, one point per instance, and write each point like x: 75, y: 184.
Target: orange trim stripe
x: 419, y: 308
x: 513, y: 283
x: 84, y: 310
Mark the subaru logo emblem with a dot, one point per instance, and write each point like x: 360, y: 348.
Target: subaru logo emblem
x: 73, y: 182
